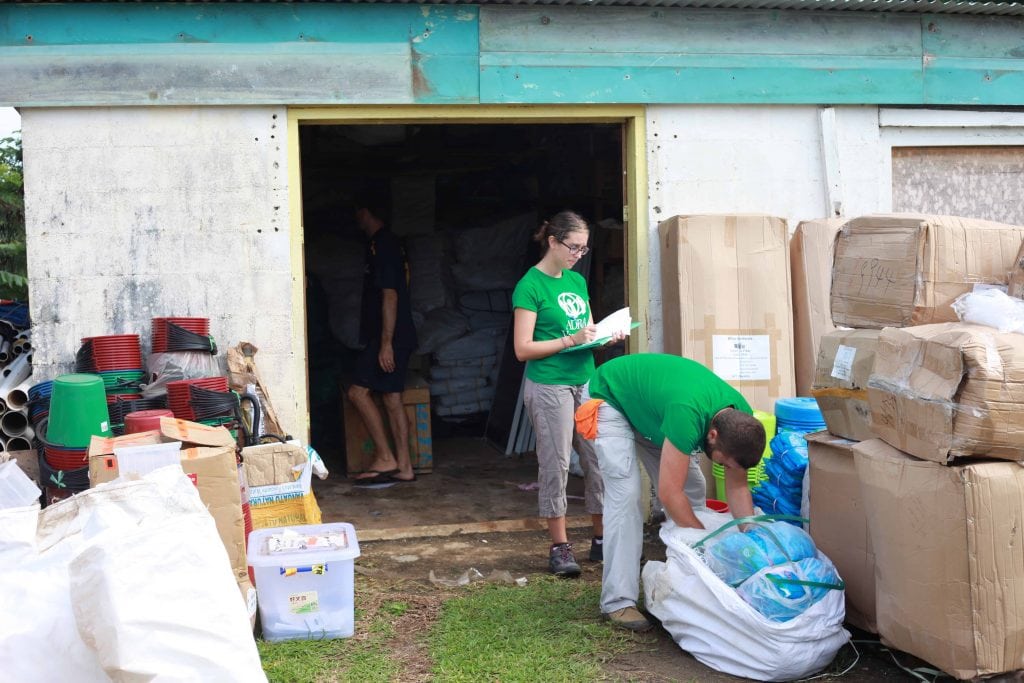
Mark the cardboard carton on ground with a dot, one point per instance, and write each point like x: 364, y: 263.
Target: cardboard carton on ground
x: 810, y: 257
x: 726, y: 300
x: 907, y: 269
x: 1015, y: 287
x: 841, y: 378
x: 214, y: 471
x: 359, y: 447
x: 949, y: 567
x: 949, y: 390
x: 839, y: 524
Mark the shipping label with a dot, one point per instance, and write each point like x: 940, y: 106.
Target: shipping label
x: 842, y: 368
x: 305, y: 602
x: 742, y: 357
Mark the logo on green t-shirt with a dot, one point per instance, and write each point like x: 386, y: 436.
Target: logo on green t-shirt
x: 574, y: 307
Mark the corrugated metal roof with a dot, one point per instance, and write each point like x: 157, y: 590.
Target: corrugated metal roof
x: 990, y: 7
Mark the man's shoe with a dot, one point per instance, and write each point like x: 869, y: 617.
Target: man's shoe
x: 562, y: 562
x: 629, y: 618
x: 597, y: 549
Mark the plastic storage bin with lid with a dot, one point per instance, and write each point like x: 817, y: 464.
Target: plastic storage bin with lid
x: 304, y: 580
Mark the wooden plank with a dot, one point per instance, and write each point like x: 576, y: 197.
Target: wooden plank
x: 142, y: 54
x: 490, y: 527
x: 622, y: 30
x: 749, y: 80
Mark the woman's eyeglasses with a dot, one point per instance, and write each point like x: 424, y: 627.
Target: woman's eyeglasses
x: 574, y: 250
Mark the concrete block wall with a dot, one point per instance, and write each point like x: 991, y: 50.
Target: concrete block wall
x: 134, y: 213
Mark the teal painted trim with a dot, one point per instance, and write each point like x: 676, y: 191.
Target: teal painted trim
x: 634, y: 55
x: 980, y: 82
x: 183, y: 23
x: 979, y: 37
x: 973, y: 60
x: 111, y: 54
x: 623, y: 30
x: 440, y: 44
x: 764, y: 83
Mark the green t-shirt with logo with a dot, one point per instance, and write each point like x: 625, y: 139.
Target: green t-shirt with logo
x: 562, y: 306
x: 666, y: 396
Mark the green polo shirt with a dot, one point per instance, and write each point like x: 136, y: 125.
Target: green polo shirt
x: 666, y: 396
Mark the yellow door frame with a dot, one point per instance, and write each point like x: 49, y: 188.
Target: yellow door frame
x: 632, y: 118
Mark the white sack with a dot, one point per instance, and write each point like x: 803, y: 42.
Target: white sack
x: 160, y: 603
x: 709, y: 619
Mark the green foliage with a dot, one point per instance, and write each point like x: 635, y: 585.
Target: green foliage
x: 13, y: 264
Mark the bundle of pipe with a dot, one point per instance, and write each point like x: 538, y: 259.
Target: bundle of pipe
x: 16, y: 433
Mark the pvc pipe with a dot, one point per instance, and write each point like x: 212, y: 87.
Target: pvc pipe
x: 5, y: 351
x: 3, y: 407
x: 14, y: 374
x: 14, y: 423
x: 17, y: 443
x: 17, y: 397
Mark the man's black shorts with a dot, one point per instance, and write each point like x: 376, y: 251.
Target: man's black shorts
x: 368, y: 373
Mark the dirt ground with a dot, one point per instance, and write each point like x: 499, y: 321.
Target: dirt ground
x: 472, y: 483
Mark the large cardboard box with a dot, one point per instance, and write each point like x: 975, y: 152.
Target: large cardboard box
x: 1015, y: 287
x: 949, y: 390
x: 839, y: 523
x: 810, y: 258
x: 906, y: 269
x: 359, y: 447
x: 841, y: 382
x: 949, y: 578
x: 727, y: 303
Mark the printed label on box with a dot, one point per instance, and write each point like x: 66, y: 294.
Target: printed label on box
x: 305, y: 602
x: 742, y: 356
x: 842, y: 368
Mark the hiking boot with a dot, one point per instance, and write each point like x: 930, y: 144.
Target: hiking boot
x: 628, y: 618
x: 597, y: 549
x: 562, y: 562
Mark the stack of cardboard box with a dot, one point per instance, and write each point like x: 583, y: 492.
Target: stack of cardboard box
x: 913, y: 494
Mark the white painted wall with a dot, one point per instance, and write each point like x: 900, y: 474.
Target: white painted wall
x: 769, y: 159
x: 134, y: 213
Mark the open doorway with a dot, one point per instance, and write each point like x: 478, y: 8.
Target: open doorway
x: 465, y: 199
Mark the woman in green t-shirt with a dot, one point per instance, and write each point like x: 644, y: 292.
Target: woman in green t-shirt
x: 552, y: 314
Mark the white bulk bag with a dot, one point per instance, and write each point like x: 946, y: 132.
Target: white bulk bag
x: 709, y: 619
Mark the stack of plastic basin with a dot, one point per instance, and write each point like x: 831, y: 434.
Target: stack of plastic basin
x: 78, y: 411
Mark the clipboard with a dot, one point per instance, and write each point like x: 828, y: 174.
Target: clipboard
x: 596, y: 343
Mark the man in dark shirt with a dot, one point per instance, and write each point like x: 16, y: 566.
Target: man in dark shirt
x: 386, y: 328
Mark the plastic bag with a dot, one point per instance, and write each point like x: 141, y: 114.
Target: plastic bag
x: 177, y: 365
x: 440, y: 326
x: 992, y: 307
x: 787, y: 590
x: 735, y: 555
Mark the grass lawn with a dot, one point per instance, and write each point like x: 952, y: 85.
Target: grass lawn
x: 548, y: 630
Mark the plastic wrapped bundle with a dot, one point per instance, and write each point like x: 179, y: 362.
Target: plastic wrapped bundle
x: 736, y: 555
x: 786, y: 591
x: 785, y: 470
